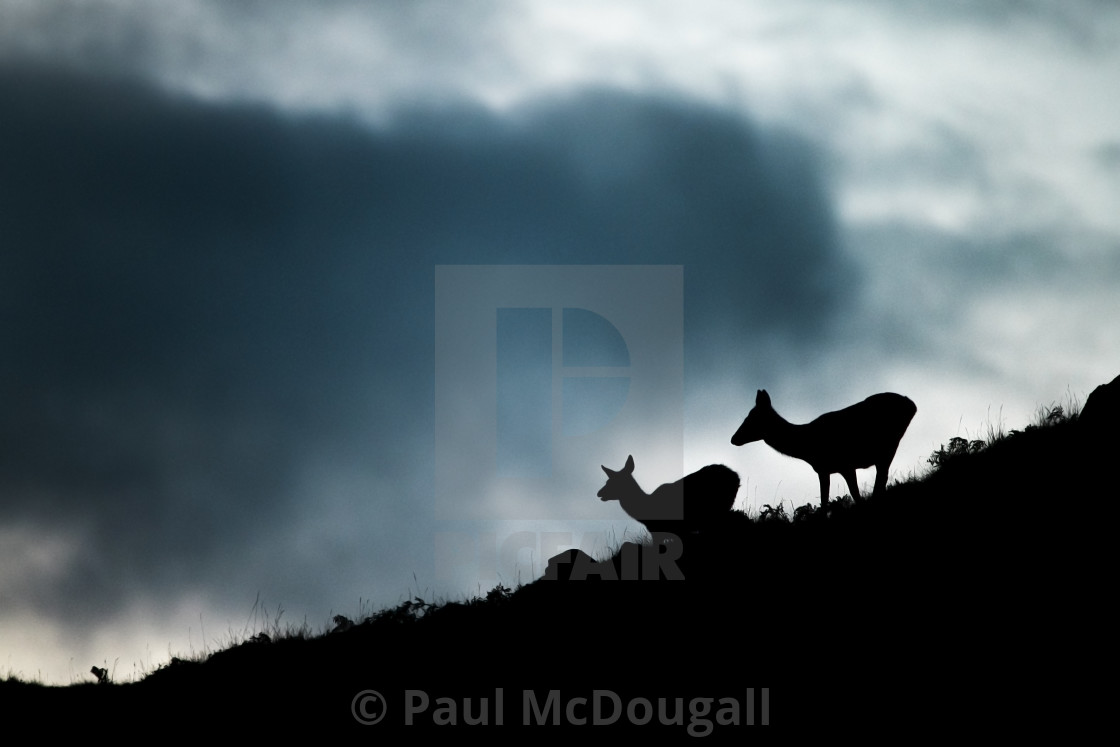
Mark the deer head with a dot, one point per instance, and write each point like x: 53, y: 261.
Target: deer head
x: 757, y: 422
x: 619, y: 482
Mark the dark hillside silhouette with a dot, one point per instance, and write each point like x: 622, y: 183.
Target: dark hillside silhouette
x: 951, y: 601
x: 857, y: 437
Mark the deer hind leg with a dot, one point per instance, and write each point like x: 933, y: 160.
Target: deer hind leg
x: 853, y: 487
x: 824, y: 487
x: 881, y: 478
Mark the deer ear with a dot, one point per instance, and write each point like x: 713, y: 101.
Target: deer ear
x: 629, y: 465
x: 609, y: 472
x: 762, y: 398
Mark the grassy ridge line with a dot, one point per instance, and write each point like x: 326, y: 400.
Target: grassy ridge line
x: 887, y: 609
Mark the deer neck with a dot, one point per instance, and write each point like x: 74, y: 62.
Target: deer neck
x: 789, y: 439
x: 632, y: 497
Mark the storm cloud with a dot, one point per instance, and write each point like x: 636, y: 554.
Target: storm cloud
x: 216, y: 315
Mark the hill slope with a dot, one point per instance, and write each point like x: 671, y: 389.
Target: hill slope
x: 950, y: 598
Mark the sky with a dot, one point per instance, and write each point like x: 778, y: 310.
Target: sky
x: 236, y: 240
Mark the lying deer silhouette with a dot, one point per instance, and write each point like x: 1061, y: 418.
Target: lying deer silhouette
x: 857, y: 437
x: 696, y: 502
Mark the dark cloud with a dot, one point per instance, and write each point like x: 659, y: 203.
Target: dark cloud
x: 200, y: 301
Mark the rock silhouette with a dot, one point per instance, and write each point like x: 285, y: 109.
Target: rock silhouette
x: 1101, y: 412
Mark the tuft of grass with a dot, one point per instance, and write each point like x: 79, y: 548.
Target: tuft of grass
x: 1056, y: 413
x: 1045, y: 416
x: 956, y: 448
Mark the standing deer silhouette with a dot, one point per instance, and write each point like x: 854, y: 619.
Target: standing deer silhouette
x: 857, y: 437
x: 696, y: 502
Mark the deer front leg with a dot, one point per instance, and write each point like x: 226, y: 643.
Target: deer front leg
x: 853, y: 487
x: 824, y: 487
